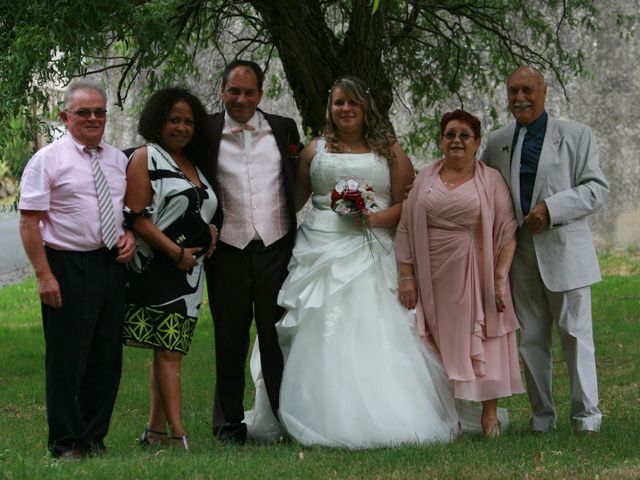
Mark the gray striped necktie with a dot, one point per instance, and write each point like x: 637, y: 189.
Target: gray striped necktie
x: 107, y: 217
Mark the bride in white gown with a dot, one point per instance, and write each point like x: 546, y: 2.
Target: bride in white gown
x: 355, y: 373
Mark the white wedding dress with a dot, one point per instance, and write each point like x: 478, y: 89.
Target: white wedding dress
x: 356, y: 374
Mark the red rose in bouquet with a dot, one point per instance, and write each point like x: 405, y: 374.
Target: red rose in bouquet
x: 354, y: 196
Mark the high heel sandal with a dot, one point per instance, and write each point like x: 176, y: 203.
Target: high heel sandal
x: 181, y: 442
x: 494, y: 431
x: 147, y: 440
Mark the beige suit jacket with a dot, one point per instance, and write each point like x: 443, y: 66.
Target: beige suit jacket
x: 569, y: 180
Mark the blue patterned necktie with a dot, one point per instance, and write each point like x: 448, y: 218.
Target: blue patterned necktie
x: 105, y: 205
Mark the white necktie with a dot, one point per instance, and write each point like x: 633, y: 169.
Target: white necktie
x: 247, y: 138
x: 246, y: 130
x: 515, y: 175
x: 105, y: 205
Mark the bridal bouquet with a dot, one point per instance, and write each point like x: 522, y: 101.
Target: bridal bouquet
x: 354, y: 196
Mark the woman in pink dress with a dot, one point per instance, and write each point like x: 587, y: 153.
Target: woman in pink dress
x: 454, y: 247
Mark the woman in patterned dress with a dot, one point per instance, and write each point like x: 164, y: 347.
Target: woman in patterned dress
x: 168, y: 200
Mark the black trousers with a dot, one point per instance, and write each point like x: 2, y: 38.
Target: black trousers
x: 243, y: 285
x: 83, y: 357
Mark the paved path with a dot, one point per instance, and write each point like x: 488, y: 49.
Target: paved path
x: 14, y: 264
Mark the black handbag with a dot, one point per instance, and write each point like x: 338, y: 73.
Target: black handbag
x: 190, y: 231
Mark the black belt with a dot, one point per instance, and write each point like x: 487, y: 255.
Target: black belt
x: 112, y: 252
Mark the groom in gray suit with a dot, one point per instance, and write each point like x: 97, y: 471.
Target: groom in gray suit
x: 551, y: 167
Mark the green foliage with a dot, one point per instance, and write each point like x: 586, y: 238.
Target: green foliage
x: 518, y: 454
x: 274, y: 87
x: 16, y: 146
x: 426, y: 52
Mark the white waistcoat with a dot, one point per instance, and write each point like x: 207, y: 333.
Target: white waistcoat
x: 251, y: 186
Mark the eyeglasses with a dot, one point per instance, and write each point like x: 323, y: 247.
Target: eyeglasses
x: 463, y: 136
x: 86, y: 112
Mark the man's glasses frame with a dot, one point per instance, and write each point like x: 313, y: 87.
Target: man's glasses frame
x: 86, y: 112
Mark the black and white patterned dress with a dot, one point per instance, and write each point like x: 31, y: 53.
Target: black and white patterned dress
x: 163, y: 301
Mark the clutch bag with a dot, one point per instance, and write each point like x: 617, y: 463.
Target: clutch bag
x: 190, y: 231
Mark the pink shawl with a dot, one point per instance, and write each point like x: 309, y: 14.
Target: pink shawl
x: 498, y: 227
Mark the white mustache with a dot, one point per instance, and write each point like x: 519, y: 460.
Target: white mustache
x: 522, y: 104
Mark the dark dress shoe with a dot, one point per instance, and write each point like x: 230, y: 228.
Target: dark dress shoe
x: 97, y: 448
x: 73, y: 454
x: 231, y: 434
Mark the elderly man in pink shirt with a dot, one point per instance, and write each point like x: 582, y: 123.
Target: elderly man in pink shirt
x: 72, y: 194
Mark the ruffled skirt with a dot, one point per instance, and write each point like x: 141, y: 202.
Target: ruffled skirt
x: 356, y: 375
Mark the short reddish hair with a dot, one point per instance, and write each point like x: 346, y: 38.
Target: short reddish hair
x: 461, y: 116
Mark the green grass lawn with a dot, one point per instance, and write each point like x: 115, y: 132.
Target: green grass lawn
x: 614, y: 453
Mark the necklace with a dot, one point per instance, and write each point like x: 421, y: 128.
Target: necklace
x: 462, y: 177
x: 349, y: 148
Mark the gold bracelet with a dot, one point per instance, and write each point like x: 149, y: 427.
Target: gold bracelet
x: 406, y: 277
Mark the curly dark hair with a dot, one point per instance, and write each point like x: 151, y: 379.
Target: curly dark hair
x: 156, y: 111
x: 377, y: 132
x: 461, y: 116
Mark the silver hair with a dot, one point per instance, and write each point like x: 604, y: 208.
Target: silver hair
x: 82, y: 85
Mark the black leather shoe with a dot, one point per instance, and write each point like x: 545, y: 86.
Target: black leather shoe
x: 96, y: 448
x: 231, y: 434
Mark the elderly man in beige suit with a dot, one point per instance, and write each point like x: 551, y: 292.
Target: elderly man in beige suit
x: 551, y: 167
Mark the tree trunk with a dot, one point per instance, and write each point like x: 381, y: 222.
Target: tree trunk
x: 364, y: 45
x: 313, y: 57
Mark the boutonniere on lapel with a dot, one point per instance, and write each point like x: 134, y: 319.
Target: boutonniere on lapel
x: 294, y: 151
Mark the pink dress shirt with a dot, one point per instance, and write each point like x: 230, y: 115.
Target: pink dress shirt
x: 58, y: 180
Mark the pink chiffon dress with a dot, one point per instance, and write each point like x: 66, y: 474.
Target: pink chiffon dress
x: 443, y: 233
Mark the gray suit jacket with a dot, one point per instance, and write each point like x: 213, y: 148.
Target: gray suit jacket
x: 570, y: 182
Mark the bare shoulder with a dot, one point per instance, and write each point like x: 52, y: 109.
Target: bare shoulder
x: 140, y: 154
x: 309, y: 150
x: 402, y: 161
x: 312, y: 145
x: 138, y: 160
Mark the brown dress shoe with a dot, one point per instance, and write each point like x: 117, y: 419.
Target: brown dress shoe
x: 73, y: 454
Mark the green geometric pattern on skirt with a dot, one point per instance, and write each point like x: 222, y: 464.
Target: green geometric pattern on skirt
x: 149, y: 327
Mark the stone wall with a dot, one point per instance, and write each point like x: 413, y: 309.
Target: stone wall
x: 609, y: 105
